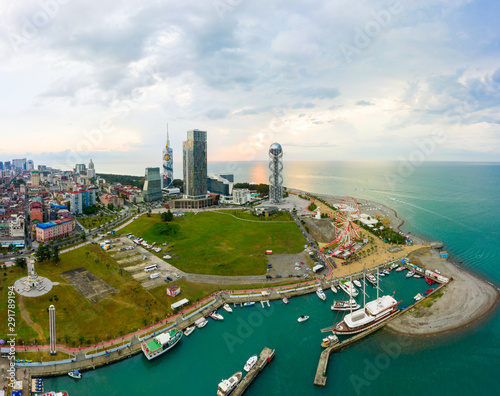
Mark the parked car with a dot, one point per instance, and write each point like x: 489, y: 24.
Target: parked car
x: 268, y: 276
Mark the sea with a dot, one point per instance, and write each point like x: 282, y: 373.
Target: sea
x: 456, y: 203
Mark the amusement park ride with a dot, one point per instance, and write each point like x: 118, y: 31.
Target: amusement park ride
x: 346, y: 225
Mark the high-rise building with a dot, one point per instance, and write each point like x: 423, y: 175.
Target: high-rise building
x: 30, y: 165
x: 79, y: 200
x: 221, y: 184
x: 19, y: 163
x: 152, y: 185
x: 35, y: 179
x: 7, y: 165
x: 276, y: 177
x: 167, y: 179
x: 195, y: 164
x: 80, y: 169
x: 1, y: 165
x: 91, y: 170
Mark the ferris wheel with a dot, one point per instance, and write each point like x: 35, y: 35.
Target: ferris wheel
x: 347, y: 223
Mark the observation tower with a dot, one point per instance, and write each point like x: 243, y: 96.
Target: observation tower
x: 276, y: 177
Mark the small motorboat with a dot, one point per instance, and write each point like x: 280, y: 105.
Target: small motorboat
x: 285, y: 300
x: 417, y: 276
x: 321, y: 294
x: 418, y: 297
x: 394, y: 266
x: 227, y: 308
x: 430, y: 281
x: 303, y: 318
x: 75, y: 374
x: 410, y: 274
x: 216, y: 316
x: 399, y: 269
x: 330, y: 340
x: 357, y: 283
x: 437, y: 272
x: 345, y: 305
x: 250, y: 363
x: 386, y: 272
x: 249, y: 303
x: 189, y: 330
x: 429, y: 291
x: 381, y: 274
x: 334, y: 289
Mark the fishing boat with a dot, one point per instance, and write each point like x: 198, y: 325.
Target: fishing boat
x: 161, y: 343
x: 399, y: 269
x: 285, y: 300
x: 228, y: 385
x: 250, y: 363
x: 410, y: 274
x: 418, y: 297
x: 349, y: 288
x: 430, y: 281
x: 330, y: 340
x: 321, y: 294
x: 75, y: 374
x: 357, y: 283
x: 202, y: 322
x: 345, y: 305
x: 189, y: 330
x: 334, y: 289
x: 371, y: 278
x: 303, y: 318
x: 417, y: 276
x: 249, y: 303
x: 216, y: 316
x: 227, y: 308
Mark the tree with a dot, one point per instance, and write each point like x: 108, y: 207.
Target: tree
x: 167, y: 216
x: 82, y: 236
x: 21, y: 262
x: 55, y: 254
x: 111, y: 206
x: 42, y: 252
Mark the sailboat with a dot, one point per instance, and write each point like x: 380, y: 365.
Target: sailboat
x: 372, y: 313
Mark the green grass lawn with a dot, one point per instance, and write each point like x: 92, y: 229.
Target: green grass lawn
x: 214, y: 243
x: 95, y: 221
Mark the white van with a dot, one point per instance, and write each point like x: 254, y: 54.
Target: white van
x: 154, y: 276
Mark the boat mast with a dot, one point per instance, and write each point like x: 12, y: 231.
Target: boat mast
x: 350, y: 295
x: 378, y: 277
x: 364, y: 288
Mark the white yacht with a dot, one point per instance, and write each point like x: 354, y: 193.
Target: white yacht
x: 189, y: 330
x: 250, y: 363
x: 321, y: 294
x: 228, y: 385
x: 227, y: 307
x: 334, y: 289
x: 202, y: 322
x: 303, y: 318
x: 357, y: 283
x: 349, y: 288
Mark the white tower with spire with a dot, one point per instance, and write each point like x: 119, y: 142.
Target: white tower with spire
x: 91, y: 170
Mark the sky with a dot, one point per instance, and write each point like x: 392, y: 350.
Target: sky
x: 330, y: 80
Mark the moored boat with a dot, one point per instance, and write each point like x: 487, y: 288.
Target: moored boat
x: 371, y: 278
x: 321, y: 294
x: 202, y: 322
x: 161, y: 343
x: 52, y: 393
x: 250, y: 363
x: 227, y: 308
x: 216, y: 316
x: 357, y: 283
x: 303, y: 318
x: 349, y: 288
x: 75, y: 374
x: 249, y: 303
x: 373, y: 313
x: 399, y: 269
x: 330, y: 340
x: 410, y: 274
x: 417, y: 276
x: 228, y: 385
x: 285, y: 300
x: 418, y: 297
x: 334, y: 289
x: 345, y: 305
x: 189, y: 330
x: 429, y: 290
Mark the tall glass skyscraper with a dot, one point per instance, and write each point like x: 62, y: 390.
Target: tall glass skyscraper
x: 195, y: 164
x: 152, y: 185
x: 167, y: 179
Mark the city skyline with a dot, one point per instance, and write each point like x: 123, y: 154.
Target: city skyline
x: 368, y: 81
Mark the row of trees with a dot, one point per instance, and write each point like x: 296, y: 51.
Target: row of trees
x: 48, y: 252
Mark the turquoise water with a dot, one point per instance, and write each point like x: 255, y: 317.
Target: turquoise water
x: 455, y: 203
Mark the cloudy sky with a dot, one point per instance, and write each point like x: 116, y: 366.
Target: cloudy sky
x: 330, y: 80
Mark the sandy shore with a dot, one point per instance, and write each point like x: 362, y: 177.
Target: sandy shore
x: 464, y: 301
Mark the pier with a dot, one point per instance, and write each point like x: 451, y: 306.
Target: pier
x: 265, y: 357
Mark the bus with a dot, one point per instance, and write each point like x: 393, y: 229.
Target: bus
x: 151, y: 268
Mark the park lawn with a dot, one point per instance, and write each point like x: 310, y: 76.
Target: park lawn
x: 247, y: 215
x: 95, y: 221
x: 80, y: 322
x: 214, y: 243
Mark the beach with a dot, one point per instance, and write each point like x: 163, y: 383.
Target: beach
x: 464, y: 301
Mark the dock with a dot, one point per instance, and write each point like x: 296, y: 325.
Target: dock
x: 265, y: 357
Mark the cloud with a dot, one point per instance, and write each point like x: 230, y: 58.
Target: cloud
x: 364, y: 103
